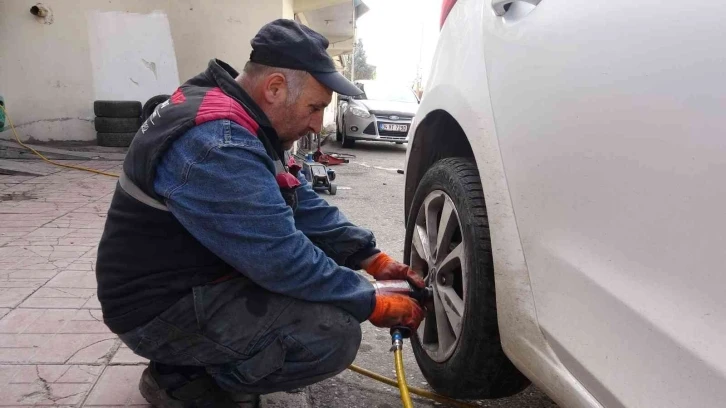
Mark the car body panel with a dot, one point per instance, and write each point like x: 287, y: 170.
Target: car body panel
x: 601, y: 133
x: 521, y: 336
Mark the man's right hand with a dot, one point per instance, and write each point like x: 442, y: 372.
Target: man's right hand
x: 396, y: 310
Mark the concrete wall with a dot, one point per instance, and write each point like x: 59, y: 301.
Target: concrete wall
x: 52, y: 69
x: 287, y: 9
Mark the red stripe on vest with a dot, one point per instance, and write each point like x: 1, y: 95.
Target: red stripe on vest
x: 286, y: 180
x: 178, y: 97
x: 217, y: 105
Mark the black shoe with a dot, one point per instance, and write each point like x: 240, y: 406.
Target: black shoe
x: 245, y: 400
x: 175, y: 390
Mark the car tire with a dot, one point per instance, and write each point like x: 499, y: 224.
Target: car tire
x: 117, y: 109
x: 347, y: 141
x: 473, y: 365
x: 333, y: 189
x: 338, y: 133
x: 151, y: 105
x: 117, y: 125
x: 115, y: 139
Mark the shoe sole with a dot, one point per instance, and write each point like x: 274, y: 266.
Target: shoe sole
x: 154, y: 395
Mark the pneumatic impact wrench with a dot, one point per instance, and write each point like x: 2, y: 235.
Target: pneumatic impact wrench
x: 423, y: 297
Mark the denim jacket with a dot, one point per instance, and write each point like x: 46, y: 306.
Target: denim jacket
x: 218, y: 181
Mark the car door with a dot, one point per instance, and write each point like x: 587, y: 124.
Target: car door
x: 611, y: 124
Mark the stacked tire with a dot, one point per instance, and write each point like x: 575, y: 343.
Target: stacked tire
x: 116, y: 122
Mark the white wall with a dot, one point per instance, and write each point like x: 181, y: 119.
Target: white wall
x: 52, y: 70
x: 287, y: 9
x: 125, y: 65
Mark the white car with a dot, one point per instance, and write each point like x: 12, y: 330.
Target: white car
x: 565, y: 197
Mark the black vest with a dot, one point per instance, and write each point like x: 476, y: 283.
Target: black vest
x: 146, y: 259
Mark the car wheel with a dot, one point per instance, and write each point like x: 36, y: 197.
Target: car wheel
x: 338, y: 133
x: 347, y: 141
x: 457, y: 346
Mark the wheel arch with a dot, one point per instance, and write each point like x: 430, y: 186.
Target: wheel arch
x: 426, y: 148
x: 461, y: 131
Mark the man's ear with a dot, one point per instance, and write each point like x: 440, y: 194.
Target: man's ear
x: 275, y: 88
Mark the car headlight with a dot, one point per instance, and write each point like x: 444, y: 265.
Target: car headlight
x: 360, y: 112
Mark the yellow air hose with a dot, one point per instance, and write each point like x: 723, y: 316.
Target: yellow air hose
x: 398, y: 354
x: 401, y: 376
x: 47, y: 160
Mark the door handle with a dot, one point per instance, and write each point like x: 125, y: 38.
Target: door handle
x: 501, y: 6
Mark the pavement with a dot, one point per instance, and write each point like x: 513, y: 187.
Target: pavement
x: 55, y: 349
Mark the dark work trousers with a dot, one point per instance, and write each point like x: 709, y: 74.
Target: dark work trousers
x: 249, y: 339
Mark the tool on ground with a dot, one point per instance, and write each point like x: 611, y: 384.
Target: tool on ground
x: 424, y: 296
x: 319, y: 176
x: 328, y: 159
x: 399, y: 287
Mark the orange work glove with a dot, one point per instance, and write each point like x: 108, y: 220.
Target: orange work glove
x: 383, y: 267
x: 396, y: 310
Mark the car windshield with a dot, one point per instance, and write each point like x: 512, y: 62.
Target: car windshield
x: 383, y: 92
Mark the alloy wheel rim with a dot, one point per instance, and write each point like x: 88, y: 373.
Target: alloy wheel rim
x: 438, y: 253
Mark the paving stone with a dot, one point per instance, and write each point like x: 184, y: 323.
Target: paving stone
x: 118, y: 385
x: 19, y: 319
x: 4, y: 311
x: 81, y: 374
x: 5, y: 282
x: 20, y: 348
x: 13, y: 255
x: 21, y: 274
x: 124, y: 355
x: 47, y: 232
x: 31, y: 263
x: 82, y: 265
x: 92, y: 303
x: 46, y: 385
x: 43, y: 321
x: 28, y: 374
x: 15, y: 231
x: 86, y: 321
x: 11, y: 297
x: 43, y: 394
x: 73, y: 279
x: 59, y: 298
x: 77, y: 349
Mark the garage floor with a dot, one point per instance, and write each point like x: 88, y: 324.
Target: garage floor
x: 54, y: 349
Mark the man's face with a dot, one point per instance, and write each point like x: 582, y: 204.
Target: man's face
x: 295, y: 119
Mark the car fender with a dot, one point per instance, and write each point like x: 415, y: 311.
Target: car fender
x: 521, y: 337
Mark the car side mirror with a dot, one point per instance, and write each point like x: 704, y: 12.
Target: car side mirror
x: 345, y: 98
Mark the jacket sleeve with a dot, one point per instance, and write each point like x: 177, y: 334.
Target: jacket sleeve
x: 344, y: 242
x: 229, y: 200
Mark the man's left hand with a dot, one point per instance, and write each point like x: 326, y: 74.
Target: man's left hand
x: 383, y: 267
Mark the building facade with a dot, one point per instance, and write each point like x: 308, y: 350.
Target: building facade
x: 56, y: 61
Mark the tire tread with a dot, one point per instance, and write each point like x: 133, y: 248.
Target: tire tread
x: 478, y: 368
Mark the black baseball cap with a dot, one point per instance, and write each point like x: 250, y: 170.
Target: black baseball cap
x: 287, y: 44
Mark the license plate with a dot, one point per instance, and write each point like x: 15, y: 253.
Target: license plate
x: 392, y: 127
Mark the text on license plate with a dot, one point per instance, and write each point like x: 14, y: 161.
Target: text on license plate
x: 391, y: 127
